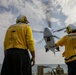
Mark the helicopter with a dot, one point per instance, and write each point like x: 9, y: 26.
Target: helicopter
x: 48, y: 37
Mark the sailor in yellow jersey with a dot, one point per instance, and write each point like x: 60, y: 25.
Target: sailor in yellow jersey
x: 69, y: 41
x: 18, y: 43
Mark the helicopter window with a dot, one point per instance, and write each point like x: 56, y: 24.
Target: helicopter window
x: 48, y: 39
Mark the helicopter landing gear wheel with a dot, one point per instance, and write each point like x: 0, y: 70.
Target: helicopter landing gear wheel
x: 47, y: 49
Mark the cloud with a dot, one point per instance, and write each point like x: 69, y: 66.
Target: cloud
x: 68, y: 8
x: 56, y: 20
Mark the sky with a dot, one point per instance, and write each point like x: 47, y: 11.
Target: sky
x: 61, y: 13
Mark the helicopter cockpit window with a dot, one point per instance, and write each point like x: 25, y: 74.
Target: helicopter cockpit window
x: 48, y: 39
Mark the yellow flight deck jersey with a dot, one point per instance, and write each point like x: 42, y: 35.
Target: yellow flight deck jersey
x: 69, y: 41
x: 19, y: 36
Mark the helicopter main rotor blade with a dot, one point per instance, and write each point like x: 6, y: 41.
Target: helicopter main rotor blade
x: 40, y: 41
x: 37, y: 31
x: 59, y: 29
x: 48, y: 20
x: 56, y: 37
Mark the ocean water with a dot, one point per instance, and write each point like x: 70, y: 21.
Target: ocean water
x: 46, y: 70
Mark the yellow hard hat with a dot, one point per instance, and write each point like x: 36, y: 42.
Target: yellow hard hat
x: 22, y: 19
x: 71, y: 28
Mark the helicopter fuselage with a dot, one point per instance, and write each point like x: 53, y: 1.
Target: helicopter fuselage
x: 49, y: 39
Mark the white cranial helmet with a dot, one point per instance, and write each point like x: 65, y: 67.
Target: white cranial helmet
x: 22, y: 19
x: 71, y: 28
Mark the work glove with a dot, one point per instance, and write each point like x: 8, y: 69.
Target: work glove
x: 63, y: 54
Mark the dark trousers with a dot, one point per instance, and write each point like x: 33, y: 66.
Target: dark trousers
x: 71, y: 68
x: 16, y: 62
